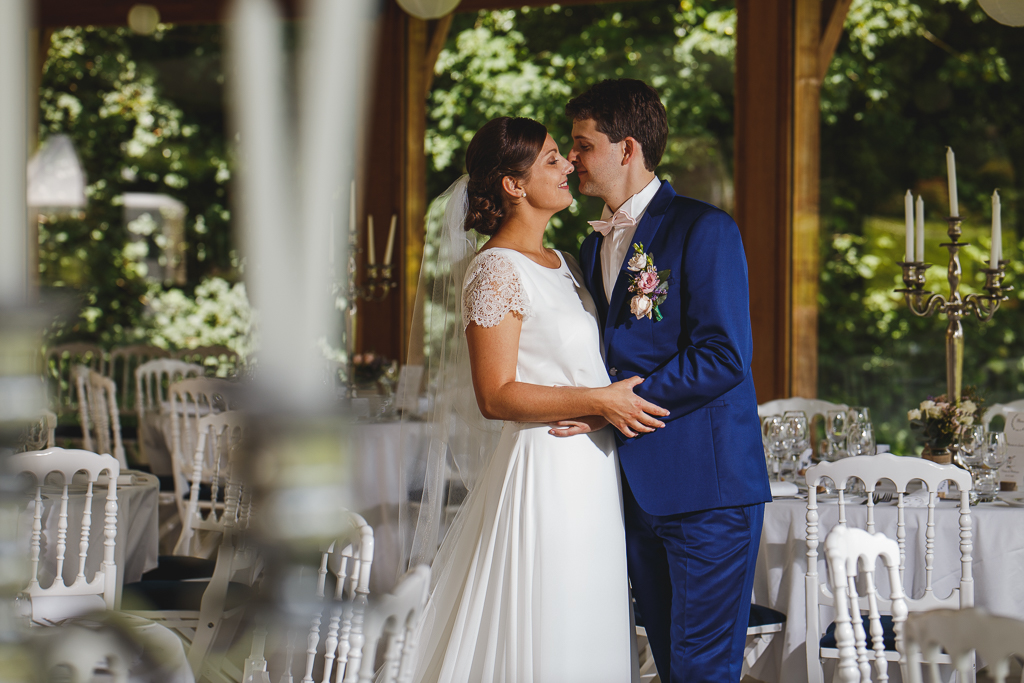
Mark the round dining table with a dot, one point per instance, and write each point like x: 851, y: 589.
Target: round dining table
x: 998, y: 566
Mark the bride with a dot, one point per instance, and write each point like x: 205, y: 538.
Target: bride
x: 530, y: 582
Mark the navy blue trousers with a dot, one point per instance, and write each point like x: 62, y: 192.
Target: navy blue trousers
x: 691, y: 576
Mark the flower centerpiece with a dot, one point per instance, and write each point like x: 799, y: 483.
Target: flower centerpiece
x: 940, y: 423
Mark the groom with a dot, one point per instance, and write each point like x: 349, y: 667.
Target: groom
x: 694, y: 491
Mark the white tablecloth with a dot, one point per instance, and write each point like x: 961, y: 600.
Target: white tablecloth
x: 136, y: 547
x: 782, y: 564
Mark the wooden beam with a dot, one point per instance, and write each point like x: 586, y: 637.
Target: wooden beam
x: 476, y: 5
x: 53, y: 13
x: 438, y: 37
x: 806, y: 190
x: 415, y: 171
x: 763, y: 148
x: 833, y: 18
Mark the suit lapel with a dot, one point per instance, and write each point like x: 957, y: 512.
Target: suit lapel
x: 591, y: 254
x: 645, y: 233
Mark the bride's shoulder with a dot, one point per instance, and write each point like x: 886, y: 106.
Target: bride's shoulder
x: 493, y: 288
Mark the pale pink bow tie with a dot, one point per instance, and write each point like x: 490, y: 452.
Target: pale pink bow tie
x: 619, y: 219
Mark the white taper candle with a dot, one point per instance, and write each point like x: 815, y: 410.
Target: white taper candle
x: 919, y: 229
x: 996, y: 253
x: 391, y: 240
x: 908, y: 210
x: 371, y: 253
x: 352, y: 226
x: 954, y: 206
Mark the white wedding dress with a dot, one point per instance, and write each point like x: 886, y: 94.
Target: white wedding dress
x: 531, y: 586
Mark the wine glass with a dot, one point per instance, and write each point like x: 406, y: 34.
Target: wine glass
x: 836, y: 423
x: 775, y: 434
x: 972, y: 454
x: 799, y: 439
x: 860, y: 439
x: 859, y: 415
x: 993, y: 457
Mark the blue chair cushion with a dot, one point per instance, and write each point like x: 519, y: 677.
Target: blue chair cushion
x: 763, y: 616
x: 888, y: 633
x: 178, y: 596
x: 177, y: 568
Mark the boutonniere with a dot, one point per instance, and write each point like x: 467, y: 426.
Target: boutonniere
x: 649, y: 285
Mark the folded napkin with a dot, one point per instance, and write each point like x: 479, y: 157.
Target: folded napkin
x: 783, y: 489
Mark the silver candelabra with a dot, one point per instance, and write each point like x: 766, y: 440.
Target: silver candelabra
x: 924, y: 303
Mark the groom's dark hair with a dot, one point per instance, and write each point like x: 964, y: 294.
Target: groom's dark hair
x: 623, y: 108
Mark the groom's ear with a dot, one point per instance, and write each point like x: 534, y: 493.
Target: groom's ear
x: 631, y: 151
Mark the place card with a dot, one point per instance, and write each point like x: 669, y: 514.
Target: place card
x: 1013, y: 470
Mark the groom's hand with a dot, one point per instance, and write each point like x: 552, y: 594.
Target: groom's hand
x: 578, y: 425
x: 629, y: 413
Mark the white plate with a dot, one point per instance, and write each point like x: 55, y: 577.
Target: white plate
x: 1013, y: 499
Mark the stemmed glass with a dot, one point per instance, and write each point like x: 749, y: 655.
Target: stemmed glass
x: 836, y: 423
x: 993, y: 456
x: 775, y: 436
x: 860, y: 439
x: 972, y: 454
x: 798, y: 440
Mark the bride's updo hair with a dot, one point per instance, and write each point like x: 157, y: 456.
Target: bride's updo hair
x: 505, y: 146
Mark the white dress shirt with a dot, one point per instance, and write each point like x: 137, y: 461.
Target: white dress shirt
x: 620, y: 240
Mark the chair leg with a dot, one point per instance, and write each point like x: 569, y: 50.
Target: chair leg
x: 756, y: 646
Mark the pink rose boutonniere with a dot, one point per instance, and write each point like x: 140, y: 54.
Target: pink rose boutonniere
x: 649, y: 285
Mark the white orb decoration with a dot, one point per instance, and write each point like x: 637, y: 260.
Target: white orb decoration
x: 428, y: 9
x: 143, y: 19
x: 1008, y: 12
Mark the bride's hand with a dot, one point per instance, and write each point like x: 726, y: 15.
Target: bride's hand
x: 579, y: 425
x: 626, y: 411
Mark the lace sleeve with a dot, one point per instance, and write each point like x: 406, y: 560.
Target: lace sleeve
x: 492, y: 290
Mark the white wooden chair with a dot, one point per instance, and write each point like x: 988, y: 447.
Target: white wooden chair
x: 191, y: 399
x: 853, y: 553
x: 217, y: 359
x: 901, y: 471
x: 101, y: 422
x: 202, y: 611
x: 62, y: 599
x: 395, y: 618
x: 57, y: 364
x: 124, y: 361
x: 810, y: 406
x: 960, y: 634
x: 347, y: 561
x: 1003, y: 409
x: 219, y: 436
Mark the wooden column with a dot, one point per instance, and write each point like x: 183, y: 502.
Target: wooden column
x: 783, y: 51
x: 763, y: 181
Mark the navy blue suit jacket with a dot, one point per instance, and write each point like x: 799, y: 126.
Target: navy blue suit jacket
x: 695, y: 361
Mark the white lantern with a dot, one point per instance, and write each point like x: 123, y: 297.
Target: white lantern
x: 1009, y: 12
x: 428, y: 9
x: 143, y: 19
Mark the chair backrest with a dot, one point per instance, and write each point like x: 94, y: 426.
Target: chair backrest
x: 810, y: 406
x: 1003, y: 409
x: 101, y: 422
x: 853, y: 553
x: 215, y: 460
x: 347, y: 561
x: 191, y: 399
x: 152, y: 380
x: 57, y: 364
x: 217, y: 359
x: 124, y: 360
x: 396, y: 617
x: 901, y: 471
x: 959, y: 633
x: 68, y: 462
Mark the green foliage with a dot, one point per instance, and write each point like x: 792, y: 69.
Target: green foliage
x: 532, y: 61
x: 908, y: 79
x: 108, y: 90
